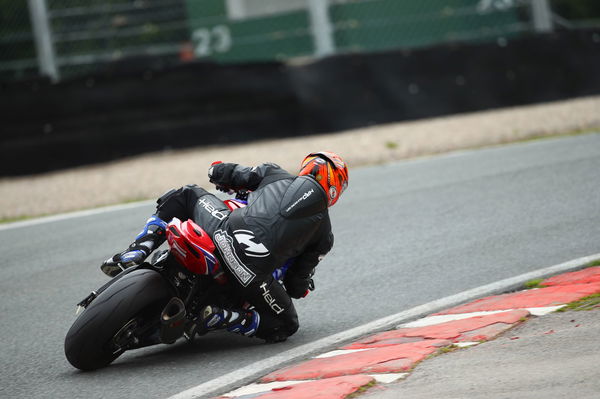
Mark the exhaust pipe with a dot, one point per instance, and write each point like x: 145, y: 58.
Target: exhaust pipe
x: 172, y: 320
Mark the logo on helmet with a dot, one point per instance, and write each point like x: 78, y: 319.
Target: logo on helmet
x: 332, y: 192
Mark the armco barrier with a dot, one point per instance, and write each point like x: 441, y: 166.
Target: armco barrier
x: 142, y: 106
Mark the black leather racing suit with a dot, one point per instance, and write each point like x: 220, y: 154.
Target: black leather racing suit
x: 286, y: 218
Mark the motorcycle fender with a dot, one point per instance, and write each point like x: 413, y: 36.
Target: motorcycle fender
x: 133, y: 292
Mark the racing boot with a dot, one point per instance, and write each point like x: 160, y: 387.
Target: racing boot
x: 150, y: 238
x: 239, y: 321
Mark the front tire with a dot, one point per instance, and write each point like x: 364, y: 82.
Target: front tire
x: 89, y: 344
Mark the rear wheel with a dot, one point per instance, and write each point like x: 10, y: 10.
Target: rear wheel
x: 109, y: 325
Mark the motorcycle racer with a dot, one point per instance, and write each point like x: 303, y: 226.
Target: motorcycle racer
x: 286, y: 219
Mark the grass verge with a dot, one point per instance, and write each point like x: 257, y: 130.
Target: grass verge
x: 443, y: 350
x: 593, y: 264
x: 533, y: 284
x: 588, y: 303
x: 362, y: 390
x: 20, y: 218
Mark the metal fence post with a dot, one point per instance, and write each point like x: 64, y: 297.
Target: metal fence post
x: 322, y: 30
x: 542, y: 16
x: 43, y: 39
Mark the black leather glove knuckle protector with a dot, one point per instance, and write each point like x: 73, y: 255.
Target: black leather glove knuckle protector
x: 297, y: 286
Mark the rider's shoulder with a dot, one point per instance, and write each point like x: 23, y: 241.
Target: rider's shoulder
x: 303, y: 197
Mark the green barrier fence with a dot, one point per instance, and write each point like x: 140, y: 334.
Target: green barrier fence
x: 259, y: 33
x: 64, y: 38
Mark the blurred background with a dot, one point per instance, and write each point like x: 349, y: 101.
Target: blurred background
x: 88, y: 81
x: 67, y: 38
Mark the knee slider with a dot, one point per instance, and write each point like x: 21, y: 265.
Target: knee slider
x: 292, y: 326
x: 276, y: 335
x: 289, y: 323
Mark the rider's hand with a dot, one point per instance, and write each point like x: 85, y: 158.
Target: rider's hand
x: 211, y: 173
x: 223, y: 188
x: 211, y: 170
x: 298, y: 287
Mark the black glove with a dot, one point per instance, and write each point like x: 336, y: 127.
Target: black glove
x: 297, y: 286
x: 214, y: 174
x: 223, y: 188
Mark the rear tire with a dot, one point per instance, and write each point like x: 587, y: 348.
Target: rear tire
x: 88, y: 344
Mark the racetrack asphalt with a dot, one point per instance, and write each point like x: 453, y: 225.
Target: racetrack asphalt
x: 407, y: 233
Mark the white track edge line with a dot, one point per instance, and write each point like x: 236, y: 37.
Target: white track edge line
x: 83, y: 213
x: 74, y: 215
x: 258, y: 369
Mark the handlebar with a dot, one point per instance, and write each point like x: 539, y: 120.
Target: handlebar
x: 242, y: 195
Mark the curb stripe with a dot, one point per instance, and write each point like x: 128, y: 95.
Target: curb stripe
x: 255, y: 388
x: 338, y: 352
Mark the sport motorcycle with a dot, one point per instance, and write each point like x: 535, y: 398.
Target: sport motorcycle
x: 154, y: 303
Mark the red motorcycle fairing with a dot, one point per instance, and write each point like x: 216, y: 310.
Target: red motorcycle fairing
x: 234, y: 204
x: 192, y: 247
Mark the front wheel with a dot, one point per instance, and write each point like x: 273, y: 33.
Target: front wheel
x: 100, y: 334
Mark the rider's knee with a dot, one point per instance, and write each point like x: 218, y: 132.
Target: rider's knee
x: 291, y: 326
x: 279, y: 334
x: 278, y: 328
x: 185, y: 191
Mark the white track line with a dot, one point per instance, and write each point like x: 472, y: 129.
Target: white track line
x: 250, y: 373
x: 465, y: 344
x: 84, y: 213
x: 74, y: 215
x: 339, y: 352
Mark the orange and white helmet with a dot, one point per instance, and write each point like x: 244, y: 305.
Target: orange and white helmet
x: 329, y: 170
